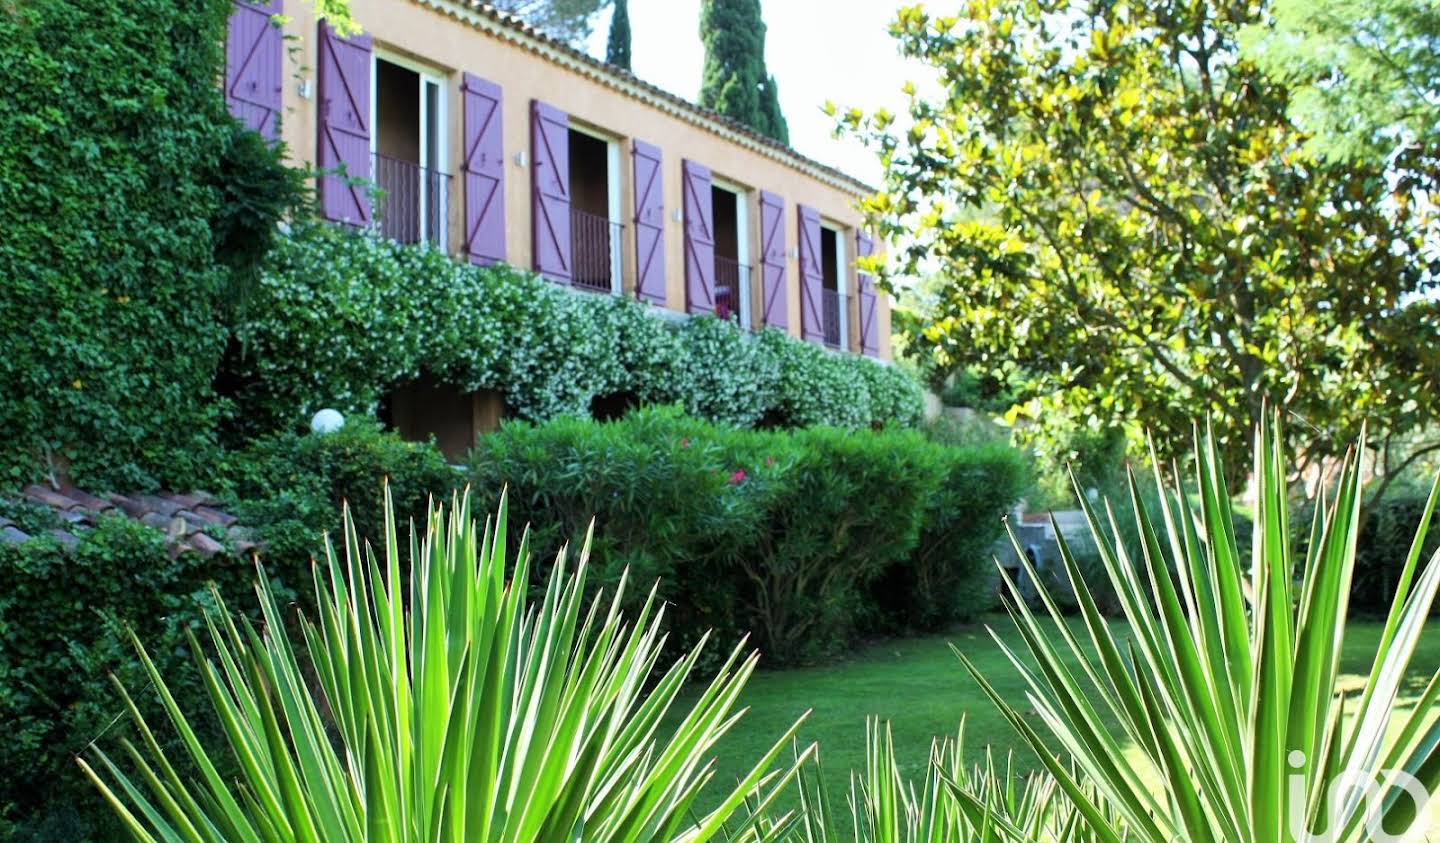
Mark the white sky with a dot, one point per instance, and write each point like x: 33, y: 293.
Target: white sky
x: 816, y: 50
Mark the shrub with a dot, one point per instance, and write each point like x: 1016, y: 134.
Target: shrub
x: 340, y: 318
x: 850, y: 507
x: 481, y: 715
x: 290, y: 487
x: 950, y: 576
x: 1387, y: 528
x: 116, y: 249
x: 777, y: 533
x: 61, y: 617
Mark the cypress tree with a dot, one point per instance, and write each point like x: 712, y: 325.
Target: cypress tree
x: 735, y: 82
x: 617, y: 48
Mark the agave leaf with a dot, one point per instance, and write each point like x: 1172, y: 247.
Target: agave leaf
x: 462, y: 711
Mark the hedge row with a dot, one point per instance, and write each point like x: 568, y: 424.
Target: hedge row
x: 342, y: 317
x: 804, y: 539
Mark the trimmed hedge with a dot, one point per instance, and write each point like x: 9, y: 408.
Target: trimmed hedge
x: 778, y: 533
x: 342, y: 317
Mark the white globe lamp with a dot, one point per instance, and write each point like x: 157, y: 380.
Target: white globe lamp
x: 326, y: 421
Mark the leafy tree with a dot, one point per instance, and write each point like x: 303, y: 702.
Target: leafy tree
x: 617, y: 47
x: 566, y: 20
x: 735, y: 82
x: 1364, y: 76
x: 1123, y: 210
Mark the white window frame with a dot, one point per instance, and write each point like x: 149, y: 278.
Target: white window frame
x: 742, y: 241
x: 842, y: 280
x: 612, y: 189
x: 428, y: 76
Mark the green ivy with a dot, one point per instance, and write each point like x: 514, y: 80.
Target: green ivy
x: 122, y: 232
x: 342, y: 317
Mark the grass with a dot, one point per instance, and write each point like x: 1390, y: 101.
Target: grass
x: 920, y: 687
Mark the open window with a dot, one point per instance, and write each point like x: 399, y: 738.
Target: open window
x: 832, y: 287
x: 408, y: 152
x: 595, y: 227
x: 732, y: 252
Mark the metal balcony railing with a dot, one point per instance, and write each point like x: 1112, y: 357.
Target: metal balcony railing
x: 732, y: 285
x: 413, y: 202
x: 594, y: 250
x: 830, y: 317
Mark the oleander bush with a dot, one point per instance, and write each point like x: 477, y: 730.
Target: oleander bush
x: 779, y: 533
x: 950, y: 576
x: 341, y: 317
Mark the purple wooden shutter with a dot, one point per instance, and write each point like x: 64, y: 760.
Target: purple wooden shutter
x: 344, y: 126
x: 483, y: 168
x: 253, y: 52
x: 864, y: 248
x: 772, y: 259
x: 649, y: 224
x: 812, y: 276
x: 550, y: 190
x: 699, y: 240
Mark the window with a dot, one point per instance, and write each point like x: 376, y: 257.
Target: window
x: 408, y: 151
x: 595, y: 230
x: 832, y: 288
x: 732, y: 253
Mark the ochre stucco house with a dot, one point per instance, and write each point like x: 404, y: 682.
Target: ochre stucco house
x: 496, y: 143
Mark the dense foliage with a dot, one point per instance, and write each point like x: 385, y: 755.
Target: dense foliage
x: 948, y: 577
x: 566, y: 20
x: 777, y: 533
x: 132, y: 206
x: 109, y: 156
x: 61, y: 634
x: 340, y: 318
x: 734, y: 80
x: 1122, y: 210
x: 1364, y: 77
x: 58, y: 642
x: 290, y: 488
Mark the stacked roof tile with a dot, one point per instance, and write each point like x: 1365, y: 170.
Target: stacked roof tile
x: 190, y: 522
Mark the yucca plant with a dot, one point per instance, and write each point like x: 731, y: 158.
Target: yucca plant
x: 1223, y: 683
x: 445, y: 707
x: 953, y: 802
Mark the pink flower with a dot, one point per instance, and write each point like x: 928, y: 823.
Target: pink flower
x: 769, y: 460
x: 685, y: 442
x: 738, y: 477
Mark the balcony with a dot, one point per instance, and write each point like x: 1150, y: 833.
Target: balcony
x: 830, y: 317
x: 413, y: 205
x: 594, y: 251
x: 732, y: 286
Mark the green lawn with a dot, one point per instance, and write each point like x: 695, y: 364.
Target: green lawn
x: 920, y: 687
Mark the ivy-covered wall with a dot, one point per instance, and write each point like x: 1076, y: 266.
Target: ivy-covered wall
x: 342, y: 317
x: 110, y: 143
